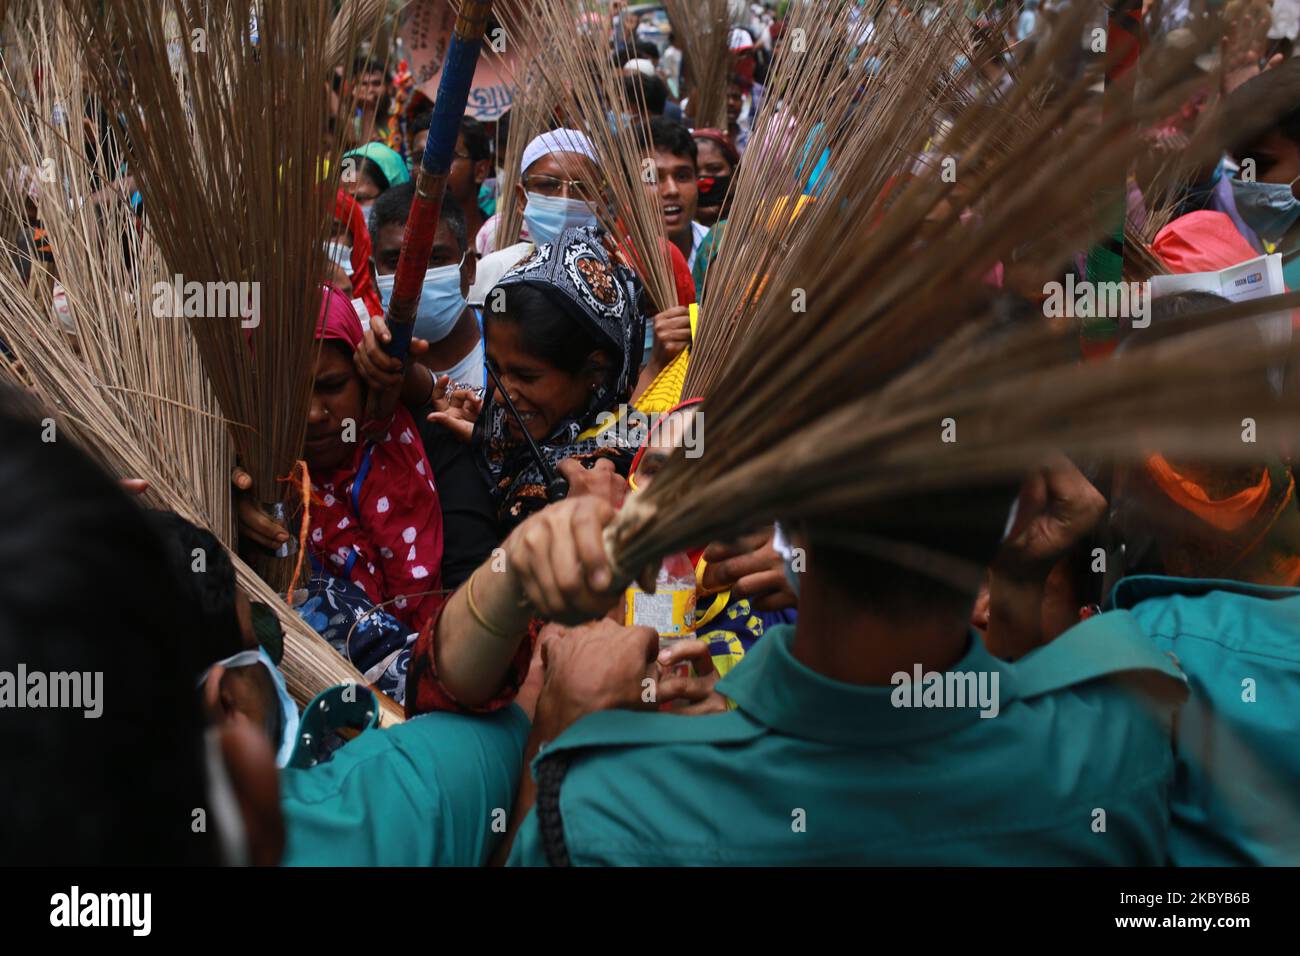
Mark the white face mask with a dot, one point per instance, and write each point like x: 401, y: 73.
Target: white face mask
x: 340, y: 255
x: 62, y: 311
x: 441, y: 301
x: 227, y: 818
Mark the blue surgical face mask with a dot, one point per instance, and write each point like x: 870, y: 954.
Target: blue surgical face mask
x: 288, y: 709
x: 549, y: 216
x: 619, y: 121
x: 1268, y: 208
x: 441, y: 301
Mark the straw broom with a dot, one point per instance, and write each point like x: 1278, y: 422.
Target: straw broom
x: 136, y: 396
x: 529, y: 111
x: 702, y: 28
x: 355, y: 20
x: 824, y: 94
x: 828, y: 419
x: 528, y: 119
x: 145, y: 369
x: 222, y: 137
x: 588, y: 92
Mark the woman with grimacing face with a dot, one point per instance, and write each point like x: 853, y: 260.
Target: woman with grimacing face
x: 564, y: 333
x: 375, y: 517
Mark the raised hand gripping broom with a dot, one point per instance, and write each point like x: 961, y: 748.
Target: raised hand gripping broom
x: 430, y: 184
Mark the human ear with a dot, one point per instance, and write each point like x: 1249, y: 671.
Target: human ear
x: 468, y: 271
x: 596, y: 368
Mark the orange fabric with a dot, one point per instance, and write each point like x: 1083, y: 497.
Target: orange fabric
x: 1226, y: 514
x: 300, y: 477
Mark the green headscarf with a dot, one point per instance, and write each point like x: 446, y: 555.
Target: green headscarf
x: 388, y: 160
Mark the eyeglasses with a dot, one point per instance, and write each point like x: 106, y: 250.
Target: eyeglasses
x: 553, y: 187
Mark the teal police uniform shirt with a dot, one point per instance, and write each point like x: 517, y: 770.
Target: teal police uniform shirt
x: 1236, y: 797
x: 422, y: 793
x: 1075, y: 768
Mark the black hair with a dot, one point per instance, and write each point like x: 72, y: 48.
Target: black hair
x: 966, y: 524
x: 650, y: 88
x: 394, y: 205
x: 1151, y: 524
x: 644, y: 50
x: 476, y: 139
x: 419, y: 123
x: 501, y: 138
x: 637, y: 50
x: 1173, y: 315
x: 204, y: 577
x: 1269, y: 101
x: 672, y: 136
x: 364, y: 65
x: 546, y: 330
x: 372, y: 171
x: 89, y: 590
x: 963, y: 523
x: 728, y: 152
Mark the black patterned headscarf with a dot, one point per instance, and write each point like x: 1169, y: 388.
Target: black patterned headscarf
x: 578, y: 276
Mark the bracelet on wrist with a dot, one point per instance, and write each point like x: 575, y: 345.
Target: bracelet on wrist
x: 477, y: 614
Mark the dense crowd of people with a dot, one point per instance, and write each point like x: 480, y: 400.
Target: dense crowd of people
x: 741, y: 708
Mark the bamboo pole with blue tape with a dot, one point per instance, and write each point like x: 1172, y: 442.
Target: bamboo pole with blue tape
x: 430, y: 184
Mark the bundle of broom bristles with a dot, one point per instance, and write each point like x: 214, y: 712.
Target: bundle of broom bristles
x: 229, y: 195
x: 845, y: 318
x: 838, y: 340
x: 702, y: 26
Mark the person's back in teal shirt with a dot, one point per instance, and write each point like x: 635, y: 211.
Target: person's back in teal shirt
x: 1075, y: 768
x: 433, y: 791
x: 1236, y: 798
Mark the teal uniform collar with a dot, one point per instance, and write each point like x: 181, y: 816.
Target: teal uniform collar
x: 776, y: 690
x: 1137, y: 588
x: 779, y: 691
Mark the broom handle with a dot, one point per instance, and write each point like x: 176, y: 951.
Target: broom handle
x: 430, y: 183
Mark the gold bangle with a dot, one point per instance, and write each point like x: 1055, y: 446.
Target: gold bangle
x: 477, y: 614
